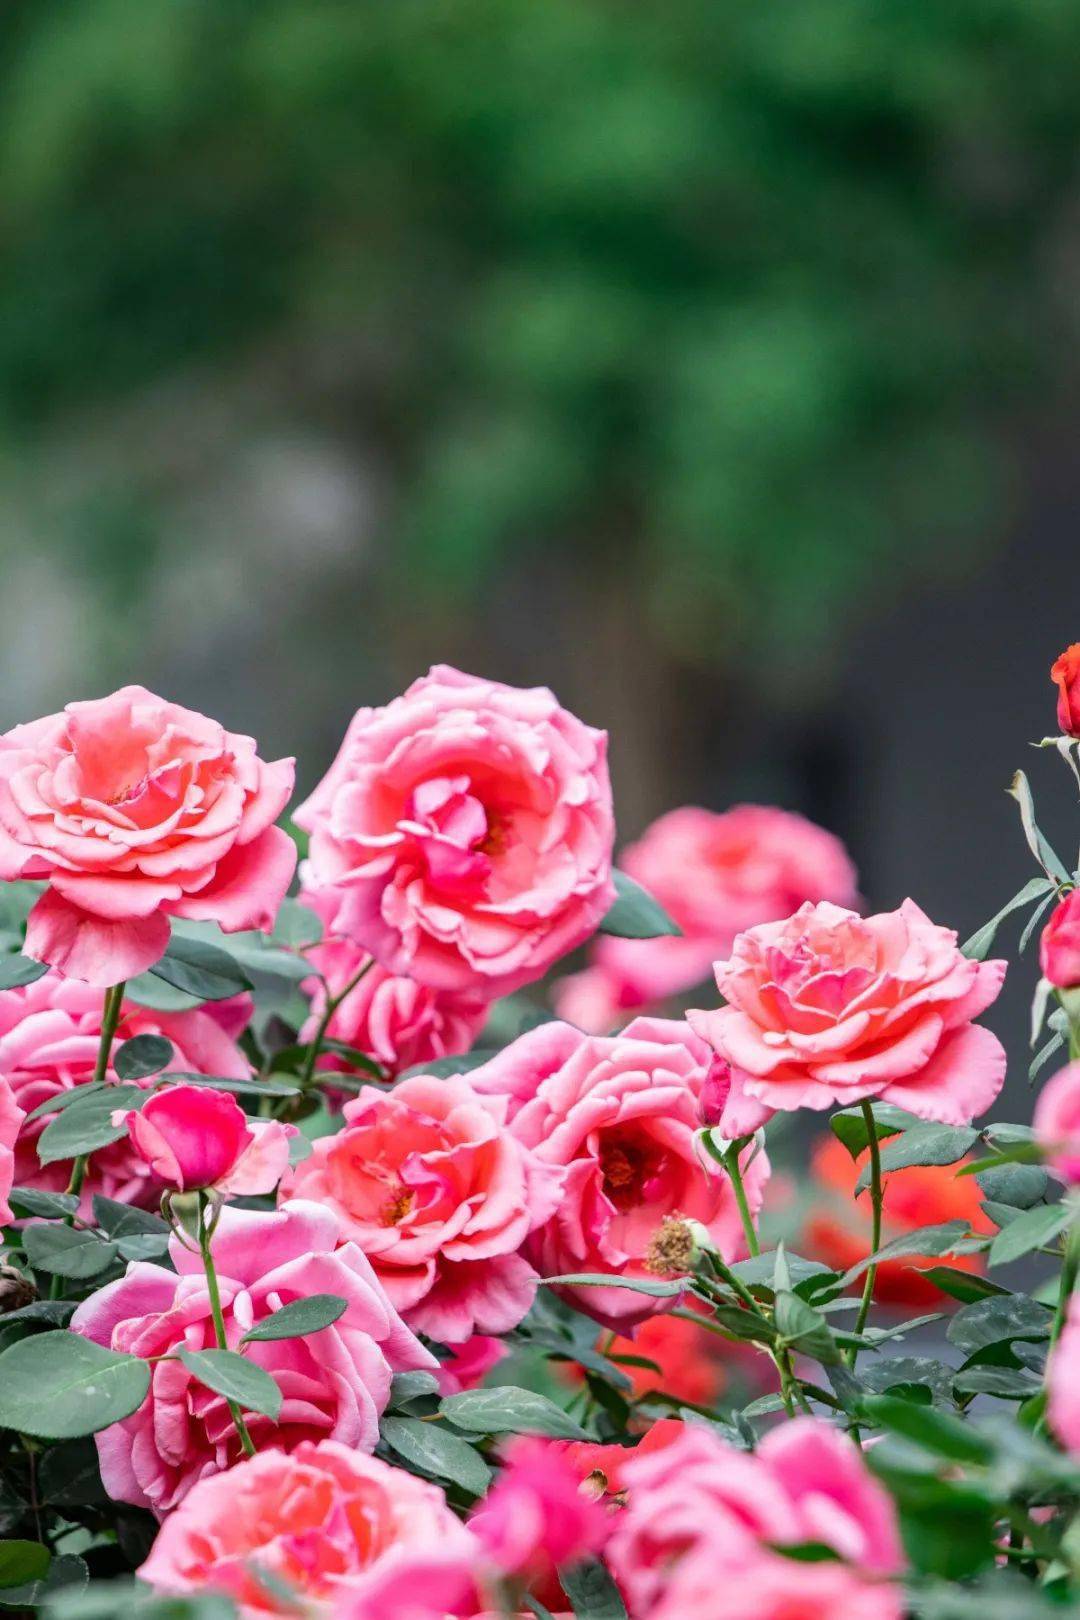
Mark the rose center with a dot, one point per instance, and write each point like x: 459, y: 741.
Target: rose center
x: 397, y: 1206
x: 626, y: 1168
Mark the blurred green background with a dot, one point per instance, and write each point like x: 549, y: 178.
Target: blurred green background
x: 714, y: 363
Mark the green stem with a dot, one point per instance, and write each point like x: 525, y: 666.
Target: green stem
x: 246, y: 1442
x: 1070, y: 1266
x: 730, y: 1161
x: 875, y: 1239
x: 307, y: 1073
x: 110, y: 1018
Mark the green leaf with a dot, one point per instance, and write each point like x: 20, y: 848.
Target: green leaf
x: 143, y: 1055
x: 599, y: 1279
x: 146, y: 990
x: 635, y: 914
x: 66, y: 1252
x: 64, y: 1099
x: 849, y: 1125
x: 49, y: 1206
x: 758, y: 1272
x: 936, y: 1431
x: 87, y: 1124
x: 407, y: 1387
x: 962, y: 1285
x: 505, y: 1409
x: 1043, y: 1056
x: 443, y: 1068
x: 200, y: 969
x: 923, y: 1144
x: 998, y: 1320
x: 125, y: 1220
x: 909, y: 1378
x: 978, y: 946
x: 59, y: 1385
x: 592, y: 1592
x: 235, y: 1377
x: 1009, y: 1383
x: 296, y: 926
x: 932, y: 1240
x: 1021, y: 1185
x: 301, y: 1317
x: 437, y: 1451
x: 263, y: 1086
x: 17, y: 970
x: 1030, y: 1231
x: 804, y: 1328
x: 22, y: 1561
x: 1051, y: 863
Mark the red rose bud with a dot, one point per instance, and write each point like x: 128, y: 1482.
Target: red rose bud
x: 1065, y: 675
x: 715, y: 1093
x: 1059, y: 950
x: 194, y: 1137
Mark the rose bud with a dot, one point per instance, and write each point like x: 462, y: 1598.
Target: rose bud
x: 715, y: 1093
x: 194, y: 1137
x: 1065, y: 675
x: 1059, y: 949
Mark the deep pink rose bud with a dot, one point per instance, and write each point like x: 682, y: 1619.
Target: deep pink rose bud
x: 1065, y: 675
x: 715, y: 1092
x: 1059, y: 951
x: 194, y: 1137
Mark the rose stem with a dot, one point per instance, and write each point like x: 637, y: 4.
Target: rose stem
x: 214, y: 1291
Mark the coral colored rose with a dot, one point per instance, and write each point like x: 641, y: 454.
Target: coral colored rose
x: 1059, y: 948
x: 49, y: 1037
x: 1063, y: 1381
x: 440, y: 1197
x: 335, y: 1382
x: 465, y: 832
x: 393, y: 1020
x: 715, y: 875
x: 766, y: 1586
x: 620, y: 1113
x: 135, y: 810
x: 828, y: 1008
x: 11, y: 1117
x: 195, y: 1136
x: 470, y: 1363
x: 536, y: 1518
x: 1065, y: 674
x: 1056, y: 1123
x: 322, y: 1521
x: 838, y: 1231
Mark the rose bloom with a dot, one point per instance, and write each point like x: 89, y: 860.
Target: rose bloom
x: 1059, y: 948
x: 393, y: 1020
x: 536, y: 1518
x: 323, y: 1521
x: 135, y: 810
x: 465, y: 832
x: 335, y: 1383
x: 1063, y: 1381
x: 49, y: 1037
x: 1065, y: 675
x: 620, y: 1113
x: 828, y: 1008
x: 11, y: 1117
x: 469, y: 1364
x: 421, y: 1585
x: 715, y: 874
x: 838, y: 1230
x: 195, y: 1137
x: 1056, y: 1123
x: 440, y: 1196
x: 767, y: 1586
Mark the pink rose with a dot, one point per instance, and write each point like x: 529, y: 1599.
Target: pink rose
x: 1057, y: 1123
x: 324, y: 1521
x: 1065, y: 674
x: 335, y: 1382
x: 835, y: 1497
x: 1063, y: 1381
x: 536, y: 1518
x: 421, y: 1585
x: 195, y: 1137
x: 11, y: 1117
x: 829, y: 1007
x: 391, y: 1019
x: 1059, y: 948
x: 134, y: 810
x: 716, y: 875
x: 768, y: 1586
x: 49, y: 1036
x: 470, y: 1363
x: 440, y: 1197
x: 465, y: 832
x: 621, y: 1114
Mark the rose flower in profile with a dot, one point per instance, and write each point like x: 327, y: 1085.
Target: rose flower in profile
x: 1065, y: 675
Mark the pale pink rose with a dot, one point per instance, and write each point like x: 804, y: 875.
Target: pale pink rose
x: 621, y: 1114
x: 323, y: 1521
x: 828, y: 1008
x: 1059, y: 948
x: 1063, y: 1381
x: 470, y: 1363
x: 49, y: 1037
x: 390, y: 1018
x: 136, y: 810
x: 440, y: 1196
x: 716, y: 874
x: 11, y: 1117
x: 768, y: 1586
x: 196, y: 1137
x: 335, y: 1383
x: 536, y: 1518
x: 466, y: 831
x: 1056, y: 1122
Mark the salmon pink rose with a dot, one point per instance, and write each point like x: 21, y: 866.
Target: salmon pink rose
x: 49, y: 1037
x: 322, y: 1521
x: 715, y: 874
x: 1057, y: 1123
x: 766, y: 1586
x: 1063, y: 1381
x: 1065, y: 675
x: 135, y: 810
x: 828, y: 1008
x: 464, y: 833
x: 335, y: 1382
x: 620, y: 1114
x: 11, y: 1117
x: 440, y: 1196
x: 1059, y: 948
x: 420, y: 1585
x: 195, y: 1137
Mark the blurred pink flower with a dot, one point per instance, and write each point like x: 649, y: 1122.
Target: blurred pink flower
x: 470, y: 1363
x: 767, y: 1586
x: 1056, y: 1122
x: 11, y: 1117
x: 1059, y: 948
x: 1063, y: 1381
x: 536, y: 1518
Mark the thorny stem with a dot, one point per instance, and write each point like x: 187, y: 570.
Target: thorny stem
x: 214, y: 1291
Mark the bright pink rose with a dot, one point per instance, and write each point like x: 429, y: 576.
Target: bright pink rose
x: 829, y: 1007
x: 470, y: 1363
x: 1065, y: 674
x: 11, y: 1117
x: 621, y: 1114
x: 1063, y: 1381
x: 1059, y: 948
x: 194, y: 1137
x: 335, y: 1382
x: 420, y: 1585
x: 134, y: 810
x: 536, y: 1517
x: 466, y: 832
x: 767, y: 1586
x: 716, y: 875
x: 49, y: 1037
x: 1057, y: 1123
x: 440, y: 1197
x: 836, y: 1499
x: 323, y: 1521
